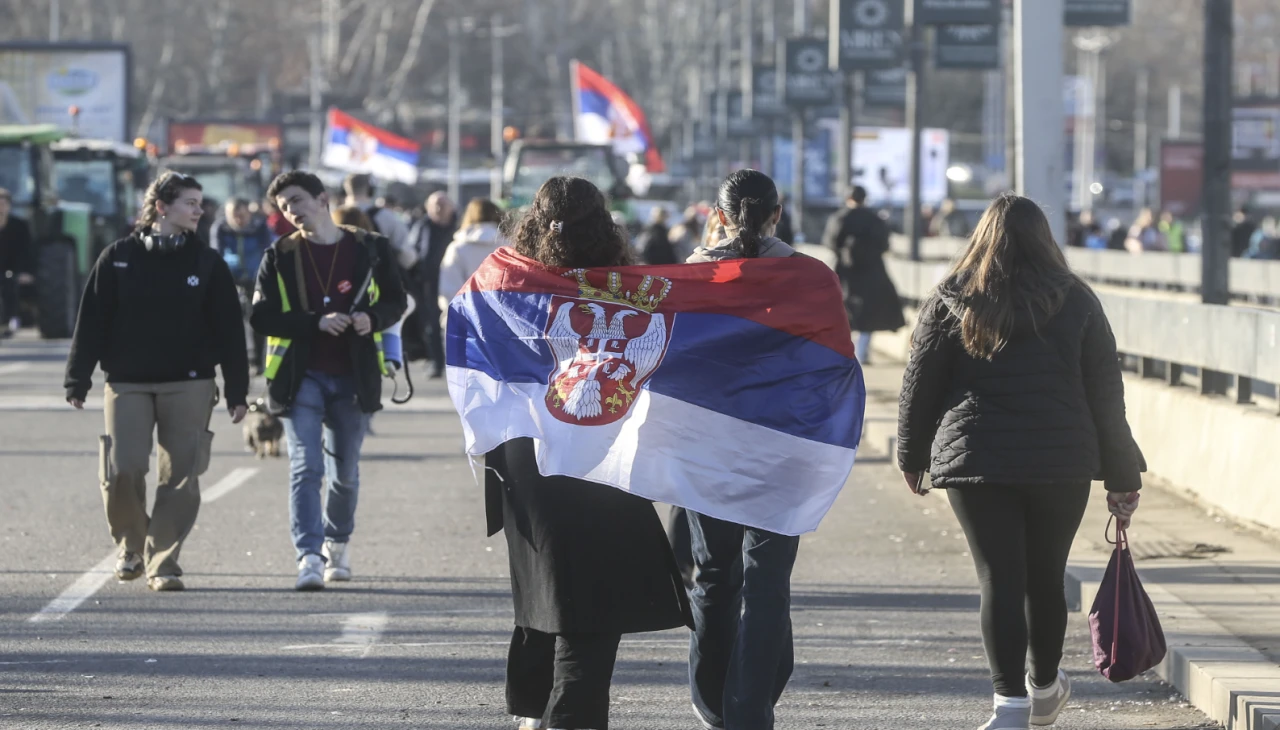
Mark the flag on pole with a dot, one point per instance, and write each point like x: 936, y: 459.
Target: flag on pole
x: 604, y: 114
x: 730, y: 388
x: 354, y: 146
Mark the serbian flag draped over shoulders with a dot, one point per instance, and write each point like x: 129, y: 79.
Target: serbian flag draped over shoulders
x: 729, y: 388
x: 606, y: 115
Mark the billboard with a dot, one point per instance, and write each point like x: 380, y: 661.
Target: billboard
x: 882, y: 164
x: 1181, y: 177
x: 40, y: 82
x: 1255, y: 144
x: 250, y: 137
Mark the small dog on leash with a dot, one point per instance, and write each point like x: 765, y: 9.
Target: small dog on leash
x: 262, y: 431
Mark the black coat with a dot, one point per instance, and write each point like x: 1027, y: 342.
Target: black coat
x: 1046, y: 409
x: 585, y: 558
x: 655, y: 245
x: 301, y: 325
x: 860, y: 238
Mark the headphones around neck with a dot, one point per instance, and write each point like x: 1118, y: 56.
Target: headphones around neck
x: 163, y: 244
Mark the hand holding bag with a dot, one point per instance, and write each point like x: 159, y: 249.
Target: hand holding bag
x: 1127, y: 638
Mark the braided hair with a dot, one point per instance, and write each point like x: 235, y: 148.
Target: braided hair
x: 569, y: 225
x: 748, y: 199
x: 165, y: 189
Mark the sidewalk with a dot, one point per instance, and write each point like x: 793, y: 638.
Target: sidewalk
x: 1215, y: 584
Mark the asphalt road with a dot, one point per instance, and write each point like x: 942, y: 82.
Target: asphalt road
x: 885, y: 605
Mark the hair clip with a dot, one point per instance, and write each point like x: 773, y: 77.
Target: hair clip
x: 557, y: 226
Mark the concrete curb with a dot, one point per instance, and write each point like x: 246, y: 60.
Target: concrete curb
x: 1228, y: 680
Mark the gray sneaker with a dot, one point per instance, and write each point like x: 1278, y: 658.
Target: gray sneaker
x: 165, y: 583
x: 129, y: 566
x: 1045, y: 710
x: 1009, y: 718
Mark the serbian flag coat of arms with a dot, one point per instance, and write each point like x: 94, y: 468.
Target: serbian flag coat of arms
x: 729, y: 388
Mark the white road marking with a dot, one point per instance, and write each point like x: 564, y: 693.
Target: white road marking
x: 14, y: 367
x: 360, y: 631
x: 97, y: 576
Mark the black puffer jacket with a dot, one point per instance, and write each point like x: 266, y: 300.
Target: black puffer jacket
x: 1047, y: 409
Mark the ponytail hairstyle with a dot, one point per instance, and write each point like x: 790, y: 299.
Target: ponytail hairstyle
x: 569, y: 225
x: 749, y: 199
x: 165, y: 189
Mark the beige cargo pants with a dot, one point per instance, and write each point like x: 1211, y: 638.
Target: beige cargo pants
x: 179, y: 415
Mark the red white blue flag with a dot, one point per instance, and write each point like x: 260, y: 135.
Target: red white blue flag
x: 355, y: 146
x: 606, y: 115
x: 730, y: 388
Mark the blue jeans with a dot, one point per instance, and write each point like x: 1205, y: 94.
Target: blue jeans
x: 325, y: 430
x: 862, y: 348
x: 741, y: 653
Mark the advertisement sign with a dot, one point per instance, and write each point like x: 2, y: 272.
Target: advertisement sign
x: 1181, y: 177
x: 1079, y: 13
x: 885, y: 88
x: 739, y: 126
x: 882, y: 164
x: 870, y: 34
x: 250, y: 138
x: 1255, y: 144
x: 975, y: 12
x: 806, y: 79
x: 818, y: 182
x: 766, y: 102
x: 40, y: 82
x: 967, y: 47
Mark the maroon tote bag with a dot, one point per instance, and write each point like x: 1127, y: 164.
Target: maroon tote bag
x: 1127, y: 638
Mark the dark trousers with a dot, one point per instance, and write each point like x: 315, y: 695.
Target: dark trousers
x: 561, y: 678
x: 9, y: 307
x: 434, y: 335
x: 1020, y: 538
x: 741, y: 653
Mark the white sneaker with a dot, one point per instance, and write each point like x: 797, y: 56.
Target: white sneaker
x: 310, y: 574
x: 129, y: 566
x: 1047, y: 703
x: 1010, y: 714
x: 337, y: 557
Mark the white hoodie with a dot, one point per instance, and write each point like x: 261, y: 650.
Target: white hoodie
x: 468, y: 249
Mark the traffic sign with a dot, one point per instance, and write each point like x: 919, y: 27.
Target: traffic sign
x: 870, y: 34
x: 965, y: 12
x: 806, y: 78
x: 1078, y: 13
x: 967, y: 47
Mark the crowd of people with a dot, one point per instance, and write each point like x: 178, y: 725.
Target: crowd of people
x: 1152, y: 230
x: 1011, y: 343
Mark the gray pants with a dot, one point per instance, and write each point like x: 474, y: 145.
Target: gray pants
x: 179, y: 415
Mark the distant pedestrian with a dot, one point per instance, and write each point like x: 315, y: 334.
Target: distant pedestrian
x: 1013, y: 401
x: 1174, y: 232
x: 431, y: 238
x: 477, y: 237
x: 784, y: 231
x: 589, y: 563
x: 654, y: 241
x: 1242, y: 230
x: 860, y: 238
x: 159, y: 312
x: 323, y: 295
x: 686, y: 235
x: 352, y: 215
x: 242, y: 240
x: 741, y: 655
x: 1144, y: 235
x: 16, y: 257
x: 383, y: 220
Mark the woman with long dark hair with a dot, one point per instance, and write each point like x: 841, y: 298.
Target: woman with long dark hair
x: 160, y: 310
x: 741, y: 653
x: 589, y: 562
x: 1013, y: 401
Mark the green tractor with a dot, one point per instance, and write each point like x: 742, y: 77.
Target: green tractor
x: 61, y: 231
x: 532, y: 162
x: 107, y: 176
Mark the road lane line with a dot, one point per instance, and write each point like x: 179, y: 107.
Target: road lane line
x: 97, y: 576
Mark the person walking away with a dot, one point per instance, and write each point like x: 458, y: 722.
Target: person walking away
x: 15, y: 262
x: 1144, y: 235
x: 948, y: 221
x: 323, y: 294
x: 1013, y: 402
x: 384, y: 220
x: 654, y: 243
x: 1174, y: 232
x: 431, y: 238
x: 1078, y: 229
x: 589, y: 562
x: 859, y: 237
x: 741, y: 653
x: 477, y: 237
x: 1242, y: 230
x: 686, y: 235
x: 242, y: 240
x: 158, y: 313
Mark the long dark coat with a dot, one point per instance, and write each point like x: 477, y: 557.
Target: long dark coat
x: 860, y: 239
x: 585, y: 558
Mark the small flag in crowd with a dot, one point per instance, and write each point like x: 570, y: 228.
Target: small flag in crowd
x: 606, y: 115
x: 730, y: 388
x: 354, y: 146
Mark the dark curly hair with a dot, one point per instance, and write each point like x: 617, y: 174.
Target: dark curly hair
x: 583, y: 233
x: 164, y: 189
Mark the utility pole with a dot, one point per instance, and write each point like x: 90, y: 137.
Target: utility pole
x: 725, y: 81
x: 1140, y: 137
x: 1175, y: 112
x: 1038, y: 31
x: 915, y: 102
x: 333, y: 34
x: 1089, y: 49
x: 455, y: 114
x: 847, y: 95
x: 800, y: 28
x: 1215, y: 256
x: 496, y: 103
